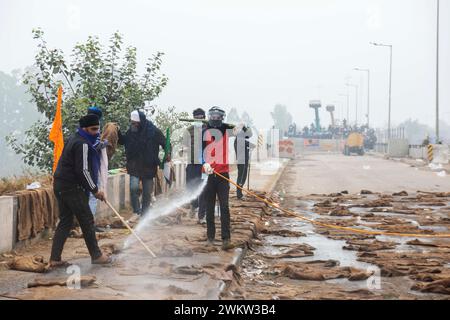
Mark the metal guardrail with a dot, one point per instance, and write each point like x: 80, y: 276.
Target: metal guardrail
x: 381, y: 147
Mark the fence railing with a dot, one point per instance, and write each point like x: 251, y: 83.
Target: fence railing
x: 395, y: 133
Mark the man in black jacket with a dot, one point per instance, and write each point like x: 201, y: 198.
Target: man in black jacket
x: 193, y: 140
x: 142, y: 142
x: 75, y: 177
x: 242, y: 148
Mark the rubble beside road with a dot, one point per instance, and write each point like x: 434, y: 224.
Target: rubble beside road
x: 320, y: 271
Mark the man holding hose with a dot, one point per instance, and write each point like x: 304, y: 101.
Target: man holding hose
x: 215, y: 156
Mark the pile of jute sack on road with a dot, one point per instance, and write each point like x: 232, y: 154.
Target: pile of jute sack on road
x: 423, y: 261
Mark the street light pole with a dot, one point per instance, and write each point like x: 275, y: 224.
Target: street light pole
x: 390, y: 91
x: 437, y: 74
x: 390, y: 82
x: 368, y: 93
x: 356, y: 105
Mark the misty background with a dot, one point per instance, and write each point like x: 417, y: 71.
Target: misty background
x: 250, y: 55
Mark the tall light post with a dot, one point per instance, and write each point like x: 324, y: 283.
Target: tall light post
x: 356, y: 100
x: 437, y: 74
x: 390, y: 82
x: 368, y: 92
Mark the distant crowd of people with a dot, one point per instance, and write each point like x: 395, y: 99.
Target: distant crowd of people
x: 341, y: 131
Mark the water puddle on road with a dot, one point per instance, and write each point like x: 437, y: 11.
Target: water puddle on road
x: 402, y: 246
x: 325, y: 248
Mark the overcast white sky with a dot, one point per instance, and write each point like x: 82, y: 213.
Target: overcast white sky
x: 252, y: 54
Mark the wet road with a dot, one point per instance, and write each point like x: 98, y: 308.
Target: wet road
x: 265, y: 278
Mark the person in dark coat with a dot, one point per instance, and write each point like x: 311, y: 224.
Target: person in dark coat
x: 242, y: 148
x: 142, y: 142
x: 193, y: 140
x: 75, y: 177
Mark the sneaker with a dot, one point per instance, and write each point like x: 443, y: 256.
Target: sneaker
x: 201, y: 221
x: 99, y: 230
x: 210, y: 243
x: 226, y: 245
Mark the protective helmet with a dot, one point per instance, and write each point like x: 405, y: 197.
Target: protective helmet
x: 216, y: 116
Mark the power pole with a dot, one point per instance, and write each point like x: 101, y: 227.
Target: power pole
x: 437, y: 74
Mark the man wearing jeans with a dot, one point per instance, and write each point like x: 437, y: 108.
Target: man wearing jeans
x: 142, y: 142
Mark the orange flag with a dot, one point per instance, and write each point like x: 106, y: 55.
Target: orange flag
x: 56, y: 134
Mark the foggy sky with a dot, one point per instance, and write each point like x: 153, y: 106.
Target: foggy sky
x: 253, y: 54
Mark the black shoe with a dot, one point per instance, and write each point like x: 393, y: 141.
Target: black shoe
x: 99, y: 230
x: 239, y: 194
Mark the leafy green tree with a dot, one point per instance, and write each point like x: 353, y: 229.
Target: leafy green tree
x: 169, y: 118
x: 96, y: 75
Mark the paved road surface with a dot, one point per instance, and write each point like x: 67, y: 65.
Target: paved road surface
x: 327, y: 173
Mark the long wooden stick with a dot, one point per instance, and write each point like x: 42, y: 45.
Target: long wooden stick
x: 203, y: 121
x: 129, y: 228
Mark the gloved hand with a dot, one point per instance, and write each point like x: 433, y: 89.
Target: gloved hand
x: 208, y: 169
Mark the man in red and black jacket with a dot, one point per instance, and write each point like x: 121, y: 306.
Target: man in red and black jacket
x: 215, y: 156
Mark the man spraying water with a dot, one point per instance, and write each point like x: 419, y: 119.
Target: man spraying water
x: 215, y: 155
